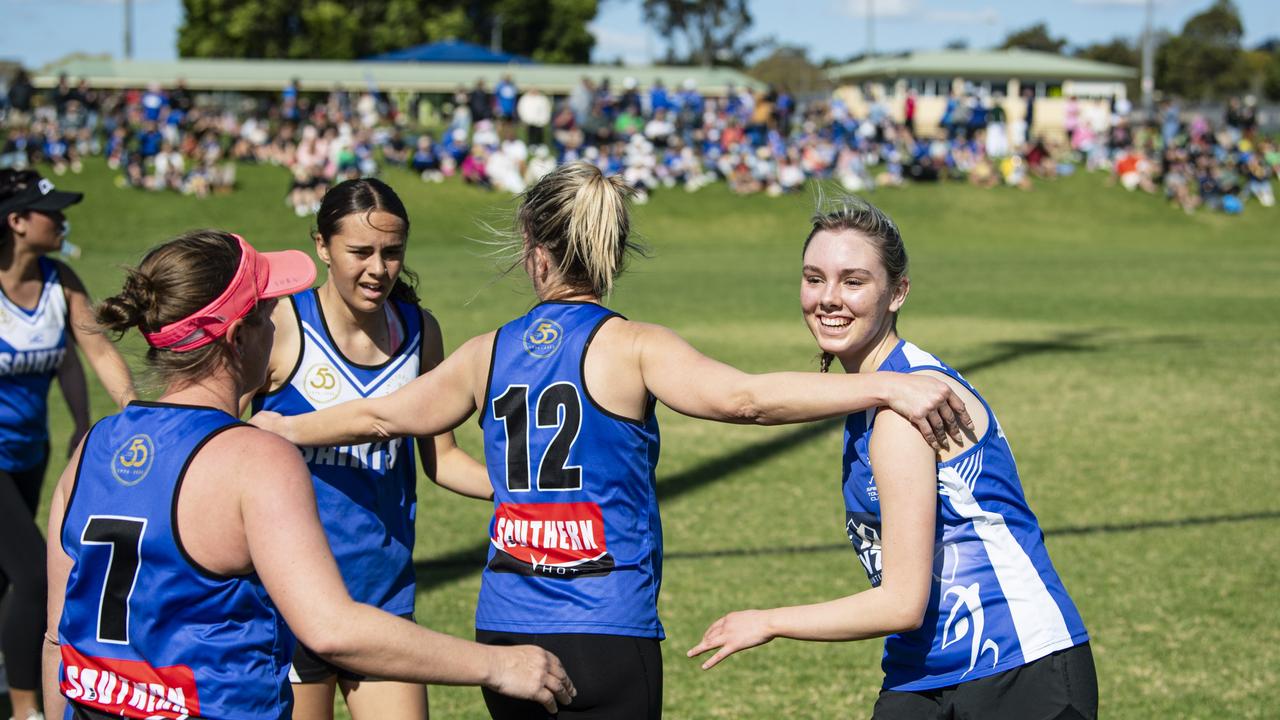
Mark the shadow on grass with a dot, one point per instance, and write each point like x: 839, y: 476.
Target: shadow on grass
x: 1078, y: 341
x: 1052, y: 532
x: 466, y: 562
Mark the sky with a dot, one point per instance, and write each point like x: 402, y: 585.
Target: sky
x: 36, y: 32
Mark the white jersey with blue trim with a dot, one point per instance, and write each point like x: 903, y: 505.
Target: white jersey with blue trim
x: 367, y: 493
x: 32, y: 345
x: 996, y: 601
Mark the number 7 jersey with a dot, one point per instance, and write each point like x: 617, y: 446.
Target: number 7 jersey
x: 145, y: 631
x: 575, y: 539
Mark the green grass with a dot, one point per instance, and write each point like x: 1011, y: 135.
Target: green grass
x: 1129, y: 350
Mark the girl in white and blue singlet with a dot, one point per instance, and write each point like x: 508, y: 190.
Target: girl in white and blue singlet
x: 184, y: 548
x: 978, y: 622
x: 362, y: 334
x: 44, y: 313
x: 567, y: 396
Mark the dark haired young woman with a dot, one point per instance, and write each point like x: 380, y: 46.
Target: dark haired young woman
x: 976, y: 621
x: 361, y: 334
x: 182, y: 541
x: 567, y: 396
x: 44, y: 313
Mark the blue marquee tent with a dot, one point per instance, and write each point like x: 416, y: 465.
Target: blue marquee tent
x: 451, y: 51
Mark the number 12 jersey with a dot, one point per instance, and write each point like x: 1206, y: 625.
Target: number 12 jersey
x: 575, y: 539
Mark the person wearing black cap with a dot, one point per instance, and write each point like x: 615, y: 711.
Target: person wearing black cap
x: 44, y: 313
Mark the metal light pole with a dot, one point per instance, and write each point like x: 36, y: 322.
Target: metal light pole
x: 128, y: 29
x: 495, y: 35
x: 1148, y: 61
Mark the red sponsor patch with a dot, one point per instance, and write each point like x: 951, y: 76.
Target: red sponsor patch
x: 129, y: 688
x: 550, y: 533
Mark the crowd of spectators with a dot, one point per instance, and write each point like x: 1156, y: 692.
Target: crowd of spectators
x: 655, y: 137
x: 1194, y: 164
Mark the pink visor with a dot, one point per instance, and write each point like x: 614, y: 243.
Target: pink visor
x: 261, y: 276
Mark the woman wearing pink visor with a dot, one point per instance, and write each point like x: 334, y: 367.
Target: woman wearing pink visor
x: 184, y: 545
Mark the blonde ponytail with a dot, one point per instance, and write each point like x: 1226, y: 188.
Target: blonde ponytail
x: 580, y: 217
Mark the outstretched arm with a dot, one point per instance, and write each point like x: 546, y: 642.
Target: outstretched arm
x: 429, y: 405
x: 693, y: 384
x: 906, y: 477
x: 290, y: 552
x: 76, y: 392
x: 101, y: 353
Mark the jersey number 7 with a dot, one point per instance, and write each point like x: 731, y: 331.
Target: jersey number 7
x: 558, y: 408
x: 124, y: 535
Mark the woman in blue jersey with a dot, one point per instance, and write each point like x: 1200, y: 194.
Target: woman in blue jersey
x: 362, y: 334
x: 567, y: 394
x: 978, y: 622
x: 182, y: 541
x: 44, y: 313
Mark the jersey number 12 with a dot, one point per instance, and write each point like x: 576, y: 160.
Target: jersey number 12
x: 558, y: 408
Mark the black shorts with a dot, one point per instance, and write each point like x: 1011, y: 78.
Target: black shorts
x: 309, y: 667
x: 1061, y: 686
x: 618, y: 677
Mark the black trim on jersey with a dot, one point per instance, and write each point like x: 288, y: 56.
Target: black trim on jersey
x: 75, y: 480
x: 66, y: 299
x: 582, y: 373
x: 568, y: 302
x: 297, y: 362
x: 404, y: 342
x: 44, y: 288
x: 422, y: 370
x: 488, y: 384
x: 182, y: 406
x: 173, y: 507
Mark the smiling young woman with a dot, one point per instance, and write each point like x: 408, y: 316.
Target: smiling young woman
x: 978, y: 623
x: 362, y: 334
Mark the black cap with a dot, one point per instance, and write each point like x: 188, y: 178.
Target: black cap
x: 40, y: 196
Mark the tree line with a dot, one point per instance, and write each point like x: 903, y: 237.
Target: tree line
x: 1204, y: 59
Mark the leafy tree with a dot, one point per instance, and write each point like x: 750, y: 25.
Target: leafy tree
x: 957, y: 44
x: 1204, y: 60
x: 553, y: 31
x: 789, y: 67
x: 547, y: 30
x: 713, y: 31
x: 1034, y: 37
x: 1271, y: 81
x: 1118, y: 51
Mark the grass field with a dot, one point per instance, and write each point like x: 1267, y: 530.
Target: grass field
x: 1129, y: 350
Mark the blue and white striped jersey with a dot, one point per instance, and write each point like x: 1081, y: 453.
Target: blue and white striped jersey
x: 366, y: 493
x: 996, y: 602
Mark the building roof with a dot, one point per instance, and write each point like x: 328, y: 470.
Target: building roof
x: 980, y: 64
x: 450, y: 51
x: 322, y: 75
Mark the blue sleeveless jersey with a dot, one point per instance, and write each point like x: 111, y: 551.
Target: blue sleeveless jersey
x: 145, y: 632
x: 996, y: 602
x: 367, y: 493
x: 575, y: 540
x: 32, y: 345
